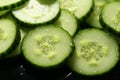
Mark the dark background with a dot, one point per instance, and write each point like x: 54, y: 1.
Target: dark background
x: 17, y: 69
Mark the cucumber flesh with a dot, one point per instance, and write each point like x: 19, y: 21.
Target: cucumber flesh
x: 111, y: 16
x: 67, y: 21
x: 94, y: 17
x: 47, y: 46
x: 9, y: 36
x: 79, y: 8
x: 4, y: 32
x: 96, y: 52
x: 41, y: 12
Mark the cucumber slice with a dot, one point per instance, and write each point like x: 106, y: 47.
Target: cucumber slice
x: 8, y: 4
x: 80, y: 8
x: 9, y: 37
x: 17, y: 51
x: 37, y: 12
x: 94, y: 17
x: 67, y: 21
x: 47, y: 46
x: 110, y: 17
x: 96, y: 52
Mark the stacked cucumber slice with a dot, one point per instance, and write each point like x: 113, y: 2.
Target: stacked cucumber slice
x: 47, y: 46
x: 111, y: 18
x: 80, y: 8
x: 48, y: 33
x: 9, y: 36
x: 96, y: 52
x: 6, y: 6
x: 94, y: 18
x: 37, y: 12
x: 66, y: 18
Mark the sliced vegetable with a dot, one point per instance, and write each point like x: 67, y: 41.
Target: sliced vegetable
x: 9, y: 36
x: 67, y: 21
x: 93, y: 19
x: 96, y: 52
x: 17, y: 51
x: 110, y: 17
x: 47, y: 46
x: 80, y: 8
x: 37, y: 12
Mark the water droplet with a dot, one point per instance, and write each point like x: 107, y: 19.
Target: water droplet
x: 21, y: 74
x: 21, y: 66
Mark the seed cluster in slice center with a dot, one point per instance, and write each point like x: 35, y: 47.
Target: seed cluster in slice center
x: 46, y: 46
x: 92, y: 52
